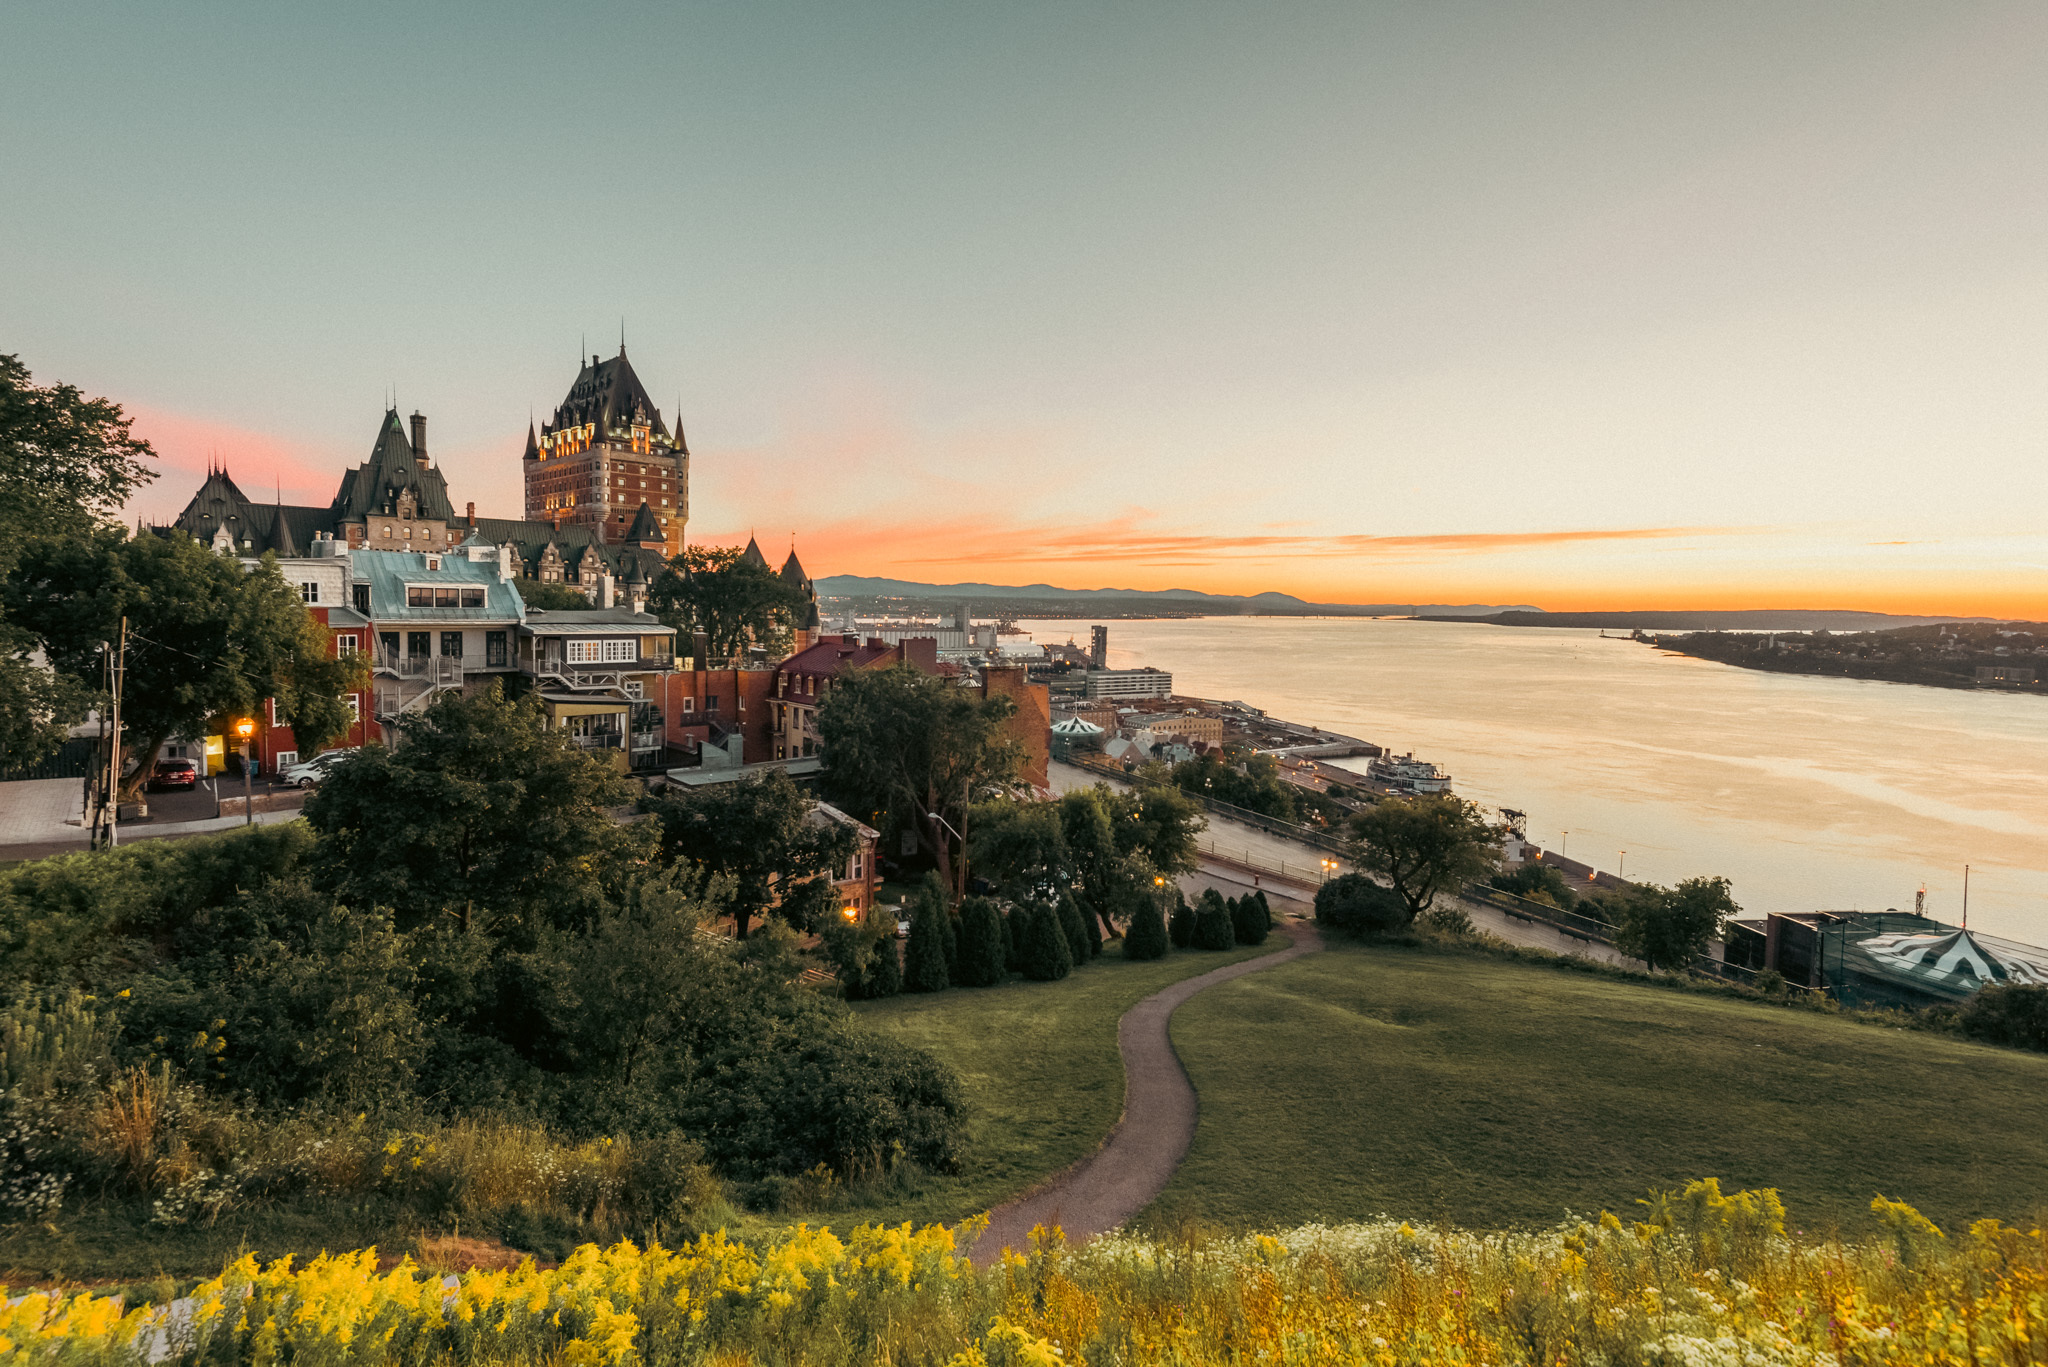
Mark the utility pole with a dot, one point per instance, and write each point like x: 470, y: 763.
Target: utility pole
x: 112, y: 797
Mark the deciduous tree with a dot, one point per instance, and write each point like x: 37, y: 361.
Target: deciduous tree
x: 759, y: 832
x: 1020, y: 847
x: 1668, y: 928
x: 207, y: 641
x: 1161, y: 824
x: 481, y: 812
x: 67, y: 464
x: 718, y: 591
x: 1424, y: 845
x: 917, y: 747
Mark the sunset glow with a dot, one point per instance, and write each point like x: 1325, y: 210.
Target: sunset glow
x: 1358, y: 304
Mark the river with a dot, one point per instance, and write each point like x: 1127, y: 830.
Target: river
x: 1806, y: 793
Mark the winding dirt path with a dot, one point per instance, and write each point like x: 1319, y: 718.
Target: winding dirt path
x: 1152, y: 1136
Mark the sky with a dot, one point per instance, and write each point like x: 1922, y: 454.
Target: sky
x: 1579, y: 305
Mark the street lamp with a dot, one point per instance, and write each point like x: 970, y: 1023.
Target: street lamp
x: 1329, y: 867
x: 246, y: 728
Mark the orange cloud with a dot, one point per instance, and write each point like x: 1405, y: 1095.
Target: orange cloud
x: 1125, y: 540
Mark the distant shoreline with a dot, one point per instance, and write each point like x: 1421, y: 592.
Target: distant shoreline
x: 1940, y: 656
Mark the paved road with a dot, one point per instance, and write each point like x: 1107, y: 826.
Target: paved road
x: 1152, y: 1137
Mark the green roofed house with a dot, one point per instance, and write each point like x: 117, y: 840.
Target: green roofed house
x: 442, y: 618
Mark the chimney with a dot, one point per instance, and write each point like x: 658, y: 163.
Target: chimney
x: 419, y: 438
x: 471, y: 514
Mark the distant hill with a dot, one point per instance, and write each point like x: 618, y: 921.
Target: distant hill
x: 1774, y: 619
x: 1052, y: 600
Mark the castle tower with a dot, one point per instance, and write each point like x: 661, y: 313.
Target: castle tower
x: 605, y: 453
x: 793, y: 575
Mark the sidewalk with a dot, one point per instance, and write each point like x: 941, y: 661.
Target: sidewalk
x: 37, y: 819
x: 1265, y: 851
x: 1225, y: 837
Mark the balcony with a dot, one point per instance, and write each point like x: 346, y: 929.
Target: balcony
x: 437, y: 669
x: 603, y: 740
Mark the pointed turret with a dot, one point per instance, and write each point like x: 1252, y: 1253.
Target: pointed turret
x: 793, y: 570
x: 281, y: 532
x: 646, y: 532
x: 532, y: 442
x: 753, y: 556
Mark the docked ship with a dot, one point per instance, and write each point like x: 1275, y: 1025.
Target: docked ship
x: 1409, y: 773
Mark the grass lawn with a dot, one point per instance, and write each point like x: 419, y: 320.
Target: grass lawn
x: 1039, y: 1064
x: 1443, y: 1086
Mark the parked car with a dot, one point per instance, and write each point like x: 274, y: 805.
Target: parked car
x: 173, y: 773
x: 315, y: 770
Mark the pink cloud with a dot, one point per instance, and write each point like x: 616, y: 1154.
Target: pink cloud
x: 260, y: 463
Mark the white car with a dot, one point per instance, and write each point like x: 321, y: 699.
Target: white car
x: 313, y: 770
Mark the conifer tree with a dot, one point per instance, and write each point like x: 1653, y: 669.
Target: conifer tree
x: 884, y: 975
x: 1251, y: 919
x: 980, y: 959
x: 1091, y: 924
x: 924, y: 968
x: 1145, y: 936
x: 1073, y: 929
x: 1181, y: 926
x: 1013, y: 940
x: 1046, y: 955
x: 933, y: 892
x: 1212, y: 922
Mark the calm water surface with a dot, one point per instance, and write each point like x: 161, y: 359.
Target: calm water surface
x: 1805, y: 792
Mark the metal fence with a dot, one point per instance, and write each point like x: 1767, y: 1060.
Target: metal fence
x: 74, y: 759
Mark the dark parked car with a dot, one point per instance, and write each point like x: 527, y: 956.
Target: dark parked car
x: 174, y: 773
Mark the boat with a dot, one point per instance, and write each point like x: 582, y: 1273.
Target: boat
x: 1407, y: 772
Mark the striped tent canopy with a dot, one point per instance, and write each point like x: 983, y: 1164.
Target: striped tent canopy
x: 1952, y: 959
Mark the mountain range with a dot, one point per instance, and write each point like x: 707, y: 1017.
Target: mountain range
x: 1256, y: 604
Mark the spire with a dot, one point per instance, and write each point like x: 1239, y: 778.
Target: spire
x: 532, y: 441
x: 281, y: 531
x: 752, y: 555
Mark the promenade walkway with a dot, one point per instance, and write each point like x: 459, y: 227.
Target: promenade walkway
x: 1156, y: 1129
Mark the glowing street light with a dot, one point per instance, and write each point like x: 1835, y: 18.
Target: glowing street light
x: 245, y: 728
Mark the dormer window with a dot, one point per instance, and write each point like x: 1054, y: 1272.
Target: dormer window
x: 433, y: 562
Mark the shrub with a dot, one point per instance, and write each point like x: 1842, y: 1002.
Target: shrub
x: 1447, y: 918
x: 1356, y: 905
x: 2012, y: 1014
x: 1212, y: 922
x: 1076, y: 932
x: 1251, y: 919
x: 1180, y: 927
x: 1046, y: 954
x: 1145, y: 936
x: 1539, y: 882
x: 924, y: 965
x: 981, y: 943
